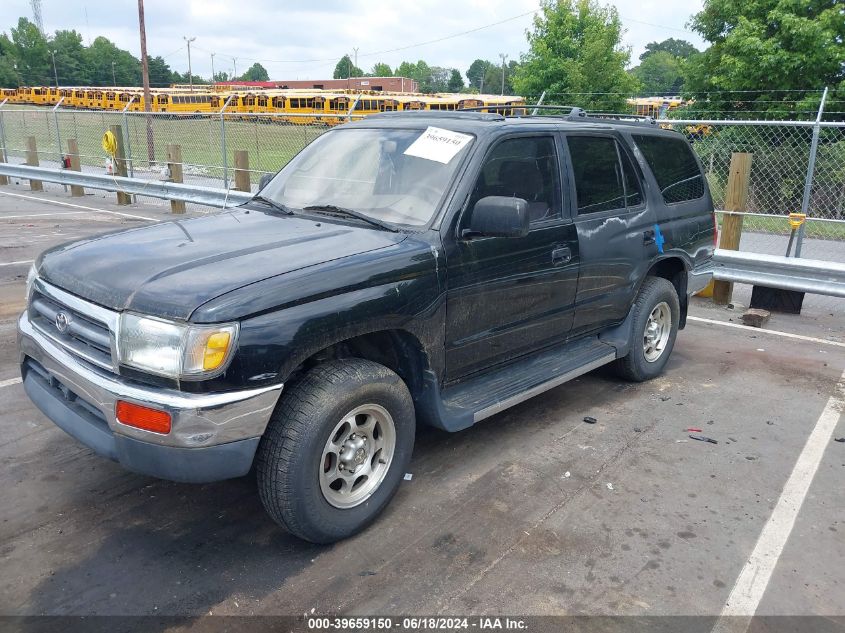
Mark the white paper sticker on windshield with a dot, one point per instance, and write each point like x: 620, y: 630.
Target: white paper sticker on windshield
x: 438, y: 144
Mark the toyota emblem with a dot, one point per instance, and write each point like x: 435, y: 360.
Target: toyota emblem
x: 62, y: 322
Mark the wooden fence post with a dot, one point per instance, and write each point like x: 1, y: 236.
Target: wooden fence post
x: 32, y: 161
x: 73, y: 154
x: 736, y: 199
x: 120, y: 163
x: 242, y: 171
x: 174, y: 163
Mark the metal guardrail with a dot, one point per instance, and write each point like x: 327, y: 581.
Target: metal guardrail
x: 198, y: 194
x: 788, y: 273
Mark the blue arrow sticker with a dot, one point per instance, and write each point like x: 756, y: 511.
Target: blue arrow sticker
x: 658, y: 238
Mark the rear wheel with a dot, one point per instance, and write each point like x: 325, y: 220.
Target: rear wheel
x: 335, y: 450
x: 656, y: 314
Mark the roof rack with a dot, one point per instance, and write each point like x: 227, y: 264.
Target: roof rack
x: 463, y: 113
x: 623, y: 117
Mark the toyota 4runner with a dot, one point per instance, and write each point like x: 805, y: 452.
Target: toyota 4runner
x: 410, y: 268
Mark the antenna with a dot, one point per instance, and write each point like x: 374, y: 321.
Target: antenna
x: 36, y: 14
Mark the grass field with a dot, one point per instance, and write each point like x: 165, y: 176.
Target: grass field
x: 780, y: 226
x: 270, y: 144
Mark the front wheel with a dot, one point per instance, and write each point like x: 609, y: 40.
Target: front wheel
x: 335, y: 449
x: 656, y: 314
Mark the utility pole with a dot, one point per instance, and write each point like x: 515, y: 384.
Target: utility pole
x: 190, y: 73
x: 235, y: 64
x: 55, y: 72
x: 212, y: 68
x: 145, y: 74
x: 504, y: 58
x: 355, y: 65
x: 113, y: 76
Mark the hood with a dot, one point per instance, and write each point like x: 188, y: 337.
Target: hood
x: 170, y: 269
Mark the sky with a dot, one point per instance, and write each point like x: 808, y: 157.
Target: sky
x: 305, y: 40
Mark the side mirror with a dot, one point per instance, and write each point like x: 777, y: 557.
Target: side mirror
x: 265, y: 180
x: 498, y: 216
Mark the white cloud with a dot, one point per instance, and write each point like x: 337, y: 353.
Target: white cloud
x: 306, y: 40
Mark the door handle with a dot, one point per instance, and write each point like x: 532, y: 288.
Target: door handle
x: 561, y: 255
x: 648, y: 237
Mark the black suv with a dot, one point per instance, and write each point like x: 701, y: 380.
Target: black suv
x: 432, y: 268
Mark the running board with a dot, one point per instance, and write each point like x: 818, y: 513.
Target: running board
x: 483, y: 396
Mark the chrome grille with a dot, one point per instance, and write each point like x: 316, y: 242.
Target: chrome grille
x: 82, y: 328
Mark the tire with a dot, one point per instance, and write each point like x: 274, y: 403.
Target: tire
x: 647, y: 357
x: 298, y: 467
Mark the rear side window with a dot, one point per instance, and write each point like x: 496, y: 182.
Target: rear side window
x: 674, y: 167
x: 605, y: 180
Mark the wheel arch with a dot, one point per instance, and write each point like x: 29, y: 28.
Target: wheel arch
x: 397, y: 349
x: 674, y: 269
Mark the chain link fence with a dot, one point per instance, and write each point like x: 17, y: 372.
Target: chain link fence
x: 210, y: 144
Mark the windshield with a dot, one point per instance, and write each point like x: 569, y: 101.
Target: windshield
x: 391, y: 175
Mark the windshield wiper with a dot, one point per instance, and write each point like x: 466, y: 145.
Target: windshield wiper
x: 352, y: 213
x: 278, y: 206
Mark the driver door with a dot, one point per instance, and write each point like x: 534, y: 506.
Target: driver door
x: 510, y: 296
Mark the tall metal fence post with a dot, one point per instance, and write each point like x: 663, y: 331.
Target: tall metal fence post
x: 352, y: 109
x: 129, y: 159
x: 811, y: 168
x: 538, y: 104
x: 3, y: 153
x: 58, y: 132
x: 223, y: 143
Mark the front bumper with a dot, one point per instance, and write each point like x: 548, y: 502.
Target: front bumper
x: 214, y: 436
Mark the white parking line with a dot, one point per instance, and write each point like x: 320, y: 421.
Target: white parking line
x: 22, y: 261
x: 41, y: 215
x: 75, y: 206
x: 9, y: 382
x: 755, y: 330
x: 755, y: 575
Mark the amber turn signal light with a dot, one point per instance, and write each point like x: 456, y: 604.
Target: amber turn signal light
x: 142, y: 417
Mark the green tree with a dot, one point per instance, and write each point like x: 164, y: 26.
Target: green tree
x: 161, y: 75
x: 110, y: 65
x: 576, y: 55
x: 31, y: 54
x: 9, y: 77
x: 784, y: 51
x: 660, y: 74
x: 381, y: 70
x: 70, y: 58
x: 437, y: 80
x: 476, y: 73
x: 345, y: 69
x: 677, y: 48
x: 429, y: 79
x: 221, y: 75
x: 256, y: 72
x: 184, y: 79
x: 456, y: 82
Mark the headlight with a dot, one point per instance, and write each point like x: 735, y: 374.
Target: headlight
x: 175, y: 350
x: 30, y: 279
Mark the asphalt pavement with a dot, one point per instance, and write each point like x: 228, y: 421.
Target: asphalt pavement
x: 533, y: 511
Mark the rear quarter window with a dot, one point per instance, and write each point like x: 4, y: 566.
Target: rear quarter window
x: 674, y: 167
